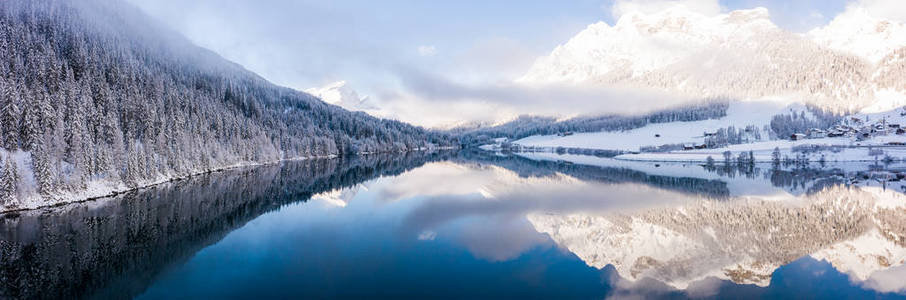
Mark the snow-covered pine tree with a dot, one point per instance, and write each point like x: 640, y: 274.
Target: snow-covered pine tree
x: 43, y: 166
x: 8, y: 180
x: 9, y: 117
x: 29, y: 123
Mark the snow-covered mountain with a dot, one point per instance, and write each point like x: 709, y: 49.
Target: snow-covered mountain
x: 339, y: 197
x: 339, y: 93
x: 860, y: 232
x: 740, y: 54
x: 639, y: 43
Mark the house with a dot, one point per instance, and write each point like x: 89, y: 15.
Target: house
x: 568, y: 133
x: 701, y: 146
x: 901, y: 131
x: 797, y: 136
x: 893, y: 125
x: 687, y: 147
x: 710, y: 134
x: 835, y: 133
x: 816, y: 133
x: 896, y: 144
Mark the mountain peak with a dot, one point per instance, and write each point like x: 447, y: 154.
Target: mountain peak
x: 339, y: 93
x: 640, y: 43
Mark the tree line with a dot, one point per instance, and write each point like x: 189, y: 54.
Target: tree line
x: 526, y: 126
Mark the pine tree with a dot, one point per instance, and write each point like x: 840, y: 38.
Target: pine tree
x: 29, y: 124
x: 9, y: 118
x: 8, y: 180
x: 775, y: 156
x: 42, y: 167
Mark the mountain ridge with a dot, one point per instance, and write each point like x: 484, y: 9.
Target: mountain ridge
x: 740, y: 55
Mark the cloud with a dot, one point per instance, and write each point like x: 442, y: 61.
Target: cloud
x: 425, y: 50
x: 622, y: 7
x: 887, y: 9
x: 430, y: 99
x: 887, y: 281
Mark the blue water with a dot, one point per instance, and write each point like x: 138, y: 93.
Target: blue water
x: 449, y: 226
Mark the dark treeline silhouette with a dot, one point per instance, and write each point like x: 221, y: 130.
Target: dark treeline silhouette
x: 713, y: 189
x: 96, y: 90
x: 526, y: 126
x: 785, y: 125
x: 114, y: 248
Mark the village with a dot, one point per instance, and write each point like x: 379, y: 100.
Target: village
x: 854, y: 128
x: 858, y: 129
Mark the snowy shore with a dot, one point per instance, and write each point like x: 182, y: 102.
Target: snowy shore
x: 98, y: 189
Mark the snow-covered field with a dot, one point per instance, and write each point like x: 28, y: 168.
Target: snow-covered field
x: 739, y: 114
x: 849, y: 149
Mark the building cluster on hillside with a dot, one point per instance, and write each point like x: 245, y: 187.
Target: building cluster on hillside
x: 854, y: 128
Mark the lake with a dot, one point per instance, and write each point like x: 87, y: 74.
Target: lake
x: 475, y: 225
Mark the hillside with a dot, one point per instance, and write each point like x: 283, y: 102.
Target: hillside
x: 97, y: 97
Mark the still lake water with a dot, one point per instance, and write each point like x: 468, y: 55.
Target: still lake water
x: 474, y: 225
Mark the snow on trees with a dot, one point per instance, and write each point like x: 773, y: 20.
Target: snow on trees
x: 8, y: 180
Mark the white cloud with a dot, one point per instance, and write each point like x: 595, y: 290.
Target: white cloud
x: 430, y: 99
x: 426, y: 50
x: 887, y: 9
x: 621, y: 7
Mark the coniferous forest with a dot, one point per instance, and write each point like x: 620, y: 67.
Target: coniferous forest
x: 96, y: 97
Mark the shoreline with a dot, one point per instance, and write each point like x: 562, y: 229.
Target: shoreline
x: 117, y: 192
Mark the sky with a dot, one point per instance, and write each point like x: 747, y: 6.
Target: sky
x: 404, y: 53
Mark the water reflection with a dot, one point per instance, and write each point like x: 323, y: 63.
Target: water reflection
x: 115, y: 248
x: 475, y: 225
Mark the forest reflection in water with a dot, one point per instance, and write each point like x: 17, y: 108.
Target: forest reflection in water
x: 472, y: 224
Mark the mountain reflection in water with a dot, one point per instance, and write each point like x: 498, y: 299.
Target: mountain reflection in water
x: 473, y: 224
